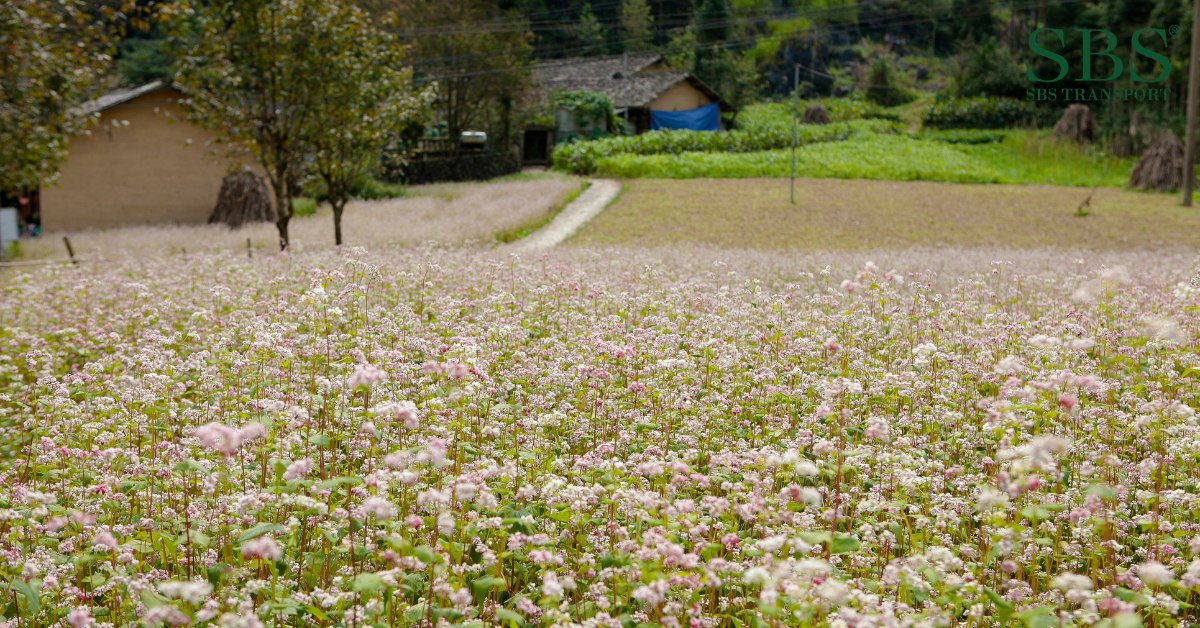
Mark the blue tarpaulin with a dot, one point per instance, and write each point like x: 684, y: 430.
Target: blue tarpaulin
x: 706, y: 118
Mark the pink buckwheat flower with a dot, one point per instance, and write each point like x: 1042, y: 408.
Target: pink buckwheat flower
x: 220, y: 438
x: 104, y: 541
x: 263, y: 547
x: 80, y: 618
x: 366, y: 375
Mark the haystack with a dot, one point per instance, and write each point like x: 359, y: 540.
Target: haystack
x: 1161, y: 166
x: 815, y: 114
x: 244, y: 198
x: 1078, y: 124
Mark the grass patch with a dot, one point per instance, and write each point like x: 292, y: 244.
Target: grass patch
x: 530, y: 175
x: 1020, y: 157
x: 778, y: 115
x: 529, y: 228
x: 304, y: 206
x: 833, y: 214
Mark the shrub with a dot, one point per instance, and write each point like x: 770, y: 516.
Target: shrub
x: 882, y: 88
x: 965, y: 136
x: 978, y: 113
x: 992, y: 70
x: 366, y: 187
x: 581, y: 157
x: 304, y: 206
x: 462, y: 167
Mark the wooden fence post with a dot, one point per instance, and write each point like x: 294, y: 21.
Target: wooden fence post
x: 70, y: 251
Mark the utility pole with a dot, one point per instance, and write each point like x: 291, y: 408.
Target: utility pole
x: 625, y: 85
x: 796, y: 119
x: 1189, y: 143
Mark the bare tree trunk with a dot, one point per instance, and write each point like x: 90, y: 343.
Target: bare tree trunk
x: 282, y: 225
x: 283, y: 207
x: 338, y: 206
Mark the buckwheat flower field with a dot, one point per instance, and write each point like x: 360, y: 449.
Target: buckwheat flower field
x: 602, y: 438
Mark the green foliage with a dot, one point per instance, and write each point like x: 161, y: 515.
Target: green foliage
x: 590, y: 32
x: 992, y: 70
x: 307, y: 86
x: 304, y: 206
x: 254, y: 77
x: 978, y: 113
x: 637, y: 25
x: 965, y: 136
x: 680, y: 50
x: 1021, y: 157
x: 140, y: 61
x: 478, y: 73
x: 778, y: 115
x: 49, y: 64
x: 883, y: 87
x: 583, y: 157
x: 585, y: 106
x: 366, y: 187
x: 366, y: 100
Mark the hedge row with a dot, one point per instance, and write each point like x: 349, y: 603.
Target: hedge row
x: 582, y: 157
x: 463, y: 167
x: 979, y: 113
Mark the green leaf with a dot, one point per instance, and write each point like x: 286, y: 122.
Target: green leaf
x: 189, y: 466
x: 259, y: 530
x: 367, y: 583
x: 152, y: 599
x: 562, y: 516
x: 1036, y: 513
x: 198, y: 539
x: 216, y: 571
x: 1127, y: 620
x: 1131, y: 596
x: 1004, y: 608
x: 1040, y: 617
x: 415, y: 612
x: 511, y: 618
x: 413, y: 585
x: 425, y: 554
x: 1103, y: 491
x: 483, y: 586
x: 844, y: 543
x: 33, y: 602
x: 316, y: 612
x: 336, y: 482
x: 815, y: 537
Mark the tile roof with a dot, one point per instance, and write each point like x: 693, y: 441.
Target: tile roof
x: 121, y: 96
x: 634, y: 80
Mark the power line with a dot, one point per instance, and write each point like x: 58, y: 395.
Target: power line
x: 729, y: 43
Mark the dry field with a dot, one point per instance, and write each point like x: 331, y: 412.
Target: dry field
x: 868, y: 215
x: 445, y: 213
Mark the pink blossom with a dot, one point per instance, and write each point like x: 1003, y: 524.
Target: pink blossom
x: 297, y: 469
x: 104, y: 541
x: 366, y: 375
x: 80, y: 618
x: 263, y: 547
x: 220, y: 438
